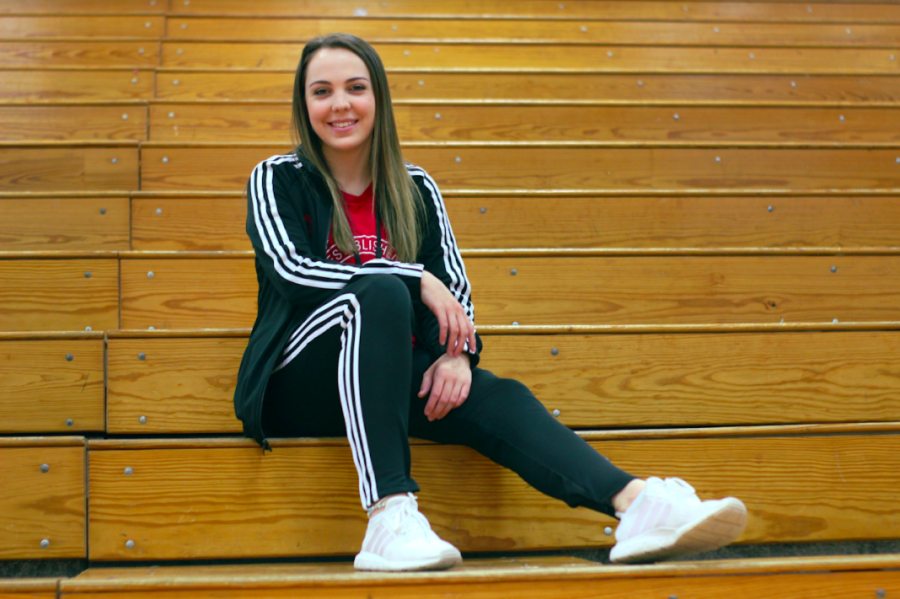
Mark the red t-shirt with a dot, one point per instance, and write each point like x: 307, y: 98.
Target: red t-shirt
x: 361, y: 214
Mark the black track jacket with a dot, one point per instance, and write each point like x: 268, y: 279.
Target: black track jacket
x: 289, y: 210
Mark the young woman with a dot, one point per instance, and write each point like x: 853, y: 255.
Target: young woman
x: 366, y: 329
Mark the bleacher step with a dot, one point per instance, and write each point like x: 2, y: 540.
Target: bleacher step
x: 533, y: 577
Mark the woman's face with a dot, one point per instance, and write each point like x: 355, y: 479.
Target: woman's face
x: 340, y: 100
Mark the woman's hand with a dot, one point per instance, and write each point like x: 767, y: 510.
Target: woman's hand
x: 456, y: 328
x: 449, y: 380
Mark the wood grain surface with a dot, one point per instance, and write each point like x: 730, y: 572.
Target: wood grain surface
x: 189, y: 224
x: 542, y: 31
x: 209, y: 503
x: 37, y: 505
x: 231, y: 122
x: 221, y: 292
x: 74, y: 7
x: 82, y: 85
x: 17, y: 26
x: 549, y: 167
x: 79, y: 53
x: 73, y: 122
x: 41, y: 389
x: 182, y: 385
x: 777, y: 11
x: 837, y: 585
x: 55, y: 295
x: 43, y: 224
x: 800, y: 61
x: 69, y: 168
x: 594, y: 381
x: 592, y: 87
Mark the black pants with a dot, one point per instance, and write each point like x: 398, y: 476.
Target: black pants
x: 350, y: 369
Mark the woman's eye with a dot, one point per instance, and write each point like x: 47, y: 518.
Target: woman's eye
x: 358, y: 88
x: 322, y: 90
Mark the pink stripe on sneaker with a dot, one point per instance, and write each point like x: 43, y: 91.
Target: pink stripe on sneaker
x: 386, y: 537
x: 650, y: 521
x: 664, y: 515
x: 639, y: 519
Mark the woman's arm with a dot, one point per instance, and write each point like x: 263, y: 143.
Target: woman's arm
x: 440, y: 255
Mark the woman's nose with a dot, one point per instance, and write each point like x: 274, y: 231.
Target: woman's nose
x: 340, y: 103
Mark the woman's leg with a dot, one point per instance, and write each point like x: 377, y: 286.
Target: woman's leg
x: 502, y: 420
x: 346, y: 371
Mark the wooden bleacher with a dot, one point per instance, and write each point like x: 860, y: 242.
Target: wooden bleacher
x: 711, y: 188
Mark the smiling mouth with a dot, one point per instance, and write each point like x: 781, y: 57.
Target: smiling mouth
x: 342, y: 124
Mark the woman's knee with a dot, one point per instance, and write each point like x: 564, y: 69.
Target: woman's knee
x: 386, y: 292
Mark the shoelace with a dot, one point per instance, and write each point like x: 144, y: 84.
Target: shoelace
x: 676, y: 486
x: 407, y: 520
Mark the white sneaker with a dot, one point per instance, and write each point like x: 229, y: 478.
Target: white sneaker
x: 400, y: 538
x: 667, y: 520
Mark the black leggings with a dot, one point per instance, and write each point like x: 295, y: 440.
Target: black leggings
x: 350, y: 370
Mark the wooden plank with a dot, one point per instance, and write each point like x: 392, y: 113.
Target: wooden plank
x: 79, y: 53
x: 231, y: 122
x: 73, y: 122
x: 837, y: 585
x: 845, y: 12
x: 117, y: 7
x: 56, y: 295
x: 42, y: 390
x: 631, y: 33
x: 173, y: 375
x: 79, y: 86
x: 221, y: 293
x: 187, y: 385
x: 657, y: 222
x: 189, y: 224
x: 624, y: 59
x: 63, y: 223
x: 562, y: 167
x: 531, y: 568
x: 148, y: 26
x: 598, y: 88
x: 68, y: 168
x: 178, y: 505
x: 36, y: 505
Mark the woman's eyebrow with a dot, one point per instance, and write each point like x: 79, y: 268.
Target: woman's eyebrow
x: 329, y: 82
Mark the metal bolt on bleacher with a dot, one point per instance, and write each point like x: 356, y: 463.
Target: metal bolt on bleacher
x: 159, y: 210
x: 69, y: 357
x: 556, y: 413
x: 880, y: 594
x: 129, y: 544
x: 45, y: 543
x: 103, y: 211
x: 513, y: 272
x: 129, y: 471
x: 834, y: 269
x: 483, y: 210
x: 608, y: 530
x: 554, y: 351
x: 142, y: 356
x: 150, y: 275
x: 771, y: 208
x: 45, y: 468
x: 142, y: 420
x: 87, y: 275
x: 115, y: 160
x: 70, y: 422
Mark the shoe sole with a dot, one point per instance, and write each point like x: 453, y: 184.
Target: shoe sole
x: 370, y: 561
x: 713, y: 531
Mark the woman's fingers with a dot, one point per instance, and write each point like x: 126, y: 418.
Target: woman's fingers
x: 448, y: 399
x: 436, y: 390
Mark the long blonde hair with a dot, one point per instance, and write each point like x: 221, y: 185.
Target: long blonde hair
x: 397, y: 198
